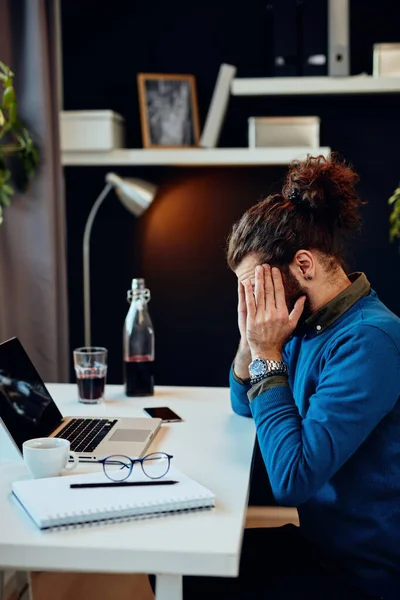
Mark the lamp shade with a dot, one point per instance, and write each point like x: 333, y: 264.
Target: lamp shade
x: 135, y: 194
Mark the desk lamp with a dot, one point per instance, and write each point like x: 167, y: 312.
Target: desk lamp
x: 136, y: 195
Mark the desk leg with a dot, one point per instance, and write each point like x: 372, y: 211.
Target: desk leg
x: 1, y: 585
x: 169, y: 587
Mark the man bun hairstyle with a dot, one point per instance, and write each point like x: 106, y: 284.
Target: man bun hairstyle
x: 317, y: 210
x: 326, y: 187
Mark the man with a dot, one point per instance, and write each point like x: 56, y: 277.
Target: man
x: 318, y: 368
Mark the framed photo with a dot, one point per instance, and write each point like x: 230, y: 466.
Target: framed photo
x: 168, y: 110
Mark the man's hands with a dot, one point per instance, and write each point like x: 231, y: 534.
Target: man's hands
x: 243, y: 356
x: 242, y: 314
x: 266, y: 318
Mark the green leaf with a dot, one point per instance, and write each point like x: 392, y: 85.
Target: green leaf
x: 6, y: 70
x: 8, y: 192
x: 5, y: 197
x: 8, y: 97
x: 5, y: 175
x: 12, y: 114
x: 8, y: 189
x: 394, y: 217
x: 20, y: 140
x: 395, y: 196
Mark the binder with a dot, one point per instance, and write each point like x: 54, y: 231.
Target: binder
x: 282, y: 33
x: 218, y: 106
x: 315, y: 37
x: 338, y: 38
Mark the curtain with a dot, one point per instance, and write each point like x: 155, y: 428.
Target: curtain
x: 33, y: 283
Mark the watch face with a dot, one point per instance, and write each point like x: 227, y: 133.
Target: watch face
x: 257, y: 367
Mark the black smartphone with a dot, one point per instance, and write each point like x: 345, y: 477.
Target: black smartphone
x: 164, y: 413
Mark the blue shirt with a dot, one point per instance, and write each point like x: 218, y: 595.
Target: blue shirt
x: 330, y: 439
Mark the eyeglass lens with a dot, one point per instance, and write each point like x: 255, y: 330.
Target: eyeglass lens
x: 155, y: 465
x: 117, y: 468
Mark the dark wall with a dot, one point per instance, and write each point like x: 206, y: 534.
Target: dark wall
x: 178, y: 246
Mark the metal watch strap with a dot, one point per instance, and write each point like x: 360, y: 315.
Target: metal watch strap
x: 274, y: 367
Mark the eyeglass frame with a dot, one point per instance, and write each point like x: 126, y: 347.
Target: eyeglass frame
x: 132, y: 463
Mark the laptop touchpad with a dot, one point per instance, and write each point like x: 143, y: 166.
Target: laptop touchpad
x: 129, y: 435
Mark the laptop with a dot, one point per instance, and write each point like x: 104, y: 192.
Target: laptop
x: 28, y: 411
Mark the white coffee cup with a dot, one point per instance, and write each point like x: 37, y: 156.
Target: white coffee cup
x: 48, y: 457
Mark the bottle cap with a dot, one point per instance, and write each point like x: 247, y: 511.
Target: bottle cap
x: 138, y: 290
x: 138, y: 284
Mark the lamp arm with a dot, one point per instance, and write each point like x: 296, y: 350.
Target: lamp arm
x: 86, y: 261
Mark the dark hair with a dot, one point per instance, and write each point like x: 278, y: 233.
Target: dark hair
x: 318, y: 206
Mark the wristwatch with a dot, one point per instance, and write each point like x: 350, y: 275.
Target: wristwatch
x: 261, y: 368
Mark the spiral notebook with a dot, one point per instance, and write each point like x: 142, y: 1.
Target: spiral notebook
x: 51, y: 503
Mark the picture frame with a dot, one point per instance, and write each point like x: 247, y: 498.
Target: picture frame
x: 168, y: 110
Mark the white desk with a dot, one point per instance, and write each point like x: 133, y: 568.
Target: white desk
x: 212, y: 445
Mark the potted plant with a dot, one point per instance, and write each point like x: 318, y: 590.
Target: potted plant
x: 394, y: 219
x: 19, y: 156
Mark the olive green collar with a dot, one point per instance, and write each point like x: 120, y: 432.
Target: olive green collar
x: 333, y: 310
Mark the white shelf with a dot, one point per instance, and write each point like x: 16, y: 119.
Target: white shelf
x: 276, y: 86
x: 190, y: 157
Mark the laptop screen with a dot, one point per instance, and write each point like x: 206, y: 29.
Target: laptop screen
x: 26, y: 407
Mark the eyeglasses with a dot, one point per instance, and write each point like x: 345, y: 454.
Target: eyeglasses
x: 118, y: 467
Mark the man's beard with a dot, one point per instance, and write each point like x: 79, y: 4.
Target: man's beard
x: 294, y: 291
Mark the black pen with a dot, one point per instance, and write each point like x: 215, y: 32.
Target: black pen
x: 80, y: 486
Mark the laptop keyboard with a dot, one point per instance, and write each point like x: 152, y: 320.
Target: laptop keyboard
x: 86, y: 434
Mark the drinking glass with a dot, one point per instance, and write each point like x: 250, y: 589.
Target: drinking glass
x: 91, y: 372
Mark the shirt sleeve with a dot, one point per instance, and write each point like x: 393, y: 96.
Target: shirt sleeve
x: 239, y: 388
x: 266, y: 384
x: 359, y: 384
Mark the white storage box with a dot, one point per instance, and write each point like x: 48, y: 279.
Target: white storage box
x: 91, y: 130
x: 283, y: 132
x: 386, y: 60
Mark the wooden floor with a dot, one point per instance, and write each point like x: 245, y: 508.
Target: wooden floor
x: 270, y: 516
x: 83, y: 586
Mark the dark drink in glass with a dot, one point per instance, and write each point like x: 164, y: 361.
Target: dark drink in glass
x: 91, y: 371
x: 139, y: 376
x: 91, y: 387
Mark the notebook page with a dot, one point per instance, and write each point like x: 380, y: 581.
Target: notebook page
x: 51, y: 501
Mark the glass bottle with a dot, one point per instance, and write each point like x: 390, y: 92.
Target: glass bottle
x: 138, y: 343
